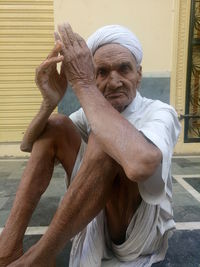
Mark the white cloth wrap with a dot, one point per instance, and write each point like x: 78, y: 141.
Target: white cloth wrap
x: 152, y: 224
x: 144, y: 245
x: 116, y: 34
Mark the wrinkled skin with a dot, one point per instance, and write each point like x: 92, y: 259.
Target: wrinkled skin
x: 78, y: 60
x: 51, y: 84
x: 31, y: 258
x: 117, y: 75
x: 108, y: 175
x: 9, y: 255
x: 9, y: 259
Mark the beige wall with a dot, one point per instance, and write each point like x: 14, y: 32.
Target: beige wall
x: 151, y: 20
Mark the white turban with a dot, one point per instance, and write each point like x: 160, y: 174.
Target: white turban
x: 116, y: 34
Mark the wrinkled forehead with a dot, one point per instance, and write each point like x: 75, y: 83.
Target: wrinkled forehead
x: 112, y: 46
x: 113, y: 53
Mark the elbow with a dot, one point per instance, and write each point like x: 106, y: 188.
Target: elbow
x: 143, y: 167
x: 25, y: 148
x: 137, y: 174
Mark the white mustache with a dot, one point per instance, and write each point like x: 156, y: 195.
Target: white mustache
x: 113, y: 92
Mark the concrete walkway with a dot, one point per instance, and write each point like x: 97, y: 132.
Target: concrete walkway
x: 184, y: 246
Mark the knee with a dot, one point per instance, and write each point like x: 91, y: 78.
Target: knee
x: 61, y: 129
x: 58, y: 123
x: 96, y: 155
x: 60, y: 133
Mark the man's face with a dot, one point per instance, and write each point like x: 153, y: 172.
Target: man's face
x: 117, y: 75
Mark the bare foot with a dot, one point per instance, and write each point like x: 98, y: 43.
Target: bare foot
x: 8, y: 257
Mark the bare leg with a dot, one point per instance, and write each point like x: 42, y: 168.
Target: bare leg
x: 87, y: 195
x: 99, y: 183
x: 36, y: 177
x: 123, y: 202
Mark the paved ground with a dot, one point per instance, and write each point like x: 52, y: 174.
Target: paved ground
x: 184, y: 246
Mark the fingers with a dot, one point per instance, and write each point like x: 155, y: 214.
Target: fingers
x: 80, y: 41
x: 53, y: 57
x: 69, y: 38
x: 51, y: 61
x: 77, y: 61
x: 48, y: 65
x: 57, y: 49
x: 64, y: 36
x: 72, y: 42
x: 69, y: 33
x: 46, y: 69
x: 57, y: 36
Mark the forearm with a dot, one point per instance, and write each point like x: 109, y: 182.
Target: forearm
x: 118, y: 137
x: 36, y: 127
x: 112, y: 130
x: 52, y: 86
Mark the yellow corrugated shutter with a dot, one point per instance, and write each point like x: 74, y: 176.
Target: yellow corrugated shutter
x: 26, y: 37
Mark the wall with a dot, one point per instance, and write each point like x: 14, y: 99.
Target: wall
x: 154, y: 88
x: 26, y: 36
x: 152, y: 22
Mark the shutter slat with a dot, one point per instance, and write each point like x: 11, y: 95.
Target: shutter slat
x: 26, y: 38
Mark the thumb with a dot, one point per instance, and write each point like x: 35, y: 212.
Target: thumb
x: 57, y: 36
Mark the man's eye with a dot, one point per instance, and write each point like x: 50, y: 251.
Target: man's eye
x: 124, y: 68
x: 102, y: 73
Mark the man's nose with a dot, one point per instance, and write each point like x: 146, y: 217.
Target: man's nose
x: 114, y: 80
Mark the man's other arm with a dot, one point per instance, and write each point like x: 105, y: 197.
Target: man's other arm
x: 52, y: 87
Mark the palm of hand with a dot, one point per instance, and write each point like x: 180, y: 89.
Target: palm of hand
x: 51, y: 84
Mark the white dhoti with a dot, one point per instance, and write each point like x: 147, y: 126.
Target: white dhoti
x: 146, y: 241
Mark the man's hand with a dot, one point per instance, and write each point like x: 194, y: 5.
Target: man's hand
x: 34, y: 258
x: 6, y: 256
x: 51, y: 84
x: 78, y: 61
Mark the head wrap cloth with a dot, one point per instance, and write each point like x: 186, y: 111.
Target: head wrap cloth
x: 116, y: 34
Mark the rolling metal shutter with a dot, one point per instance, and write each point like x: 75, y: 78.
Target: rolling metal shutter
x: 26, y: 37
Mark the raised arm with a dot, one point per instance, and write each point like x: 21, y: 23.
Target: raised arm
x: 52, y: 86
x: 119, y: 139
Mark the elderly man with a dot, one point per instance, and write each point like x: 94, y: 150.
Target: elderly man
x: 116, y: 151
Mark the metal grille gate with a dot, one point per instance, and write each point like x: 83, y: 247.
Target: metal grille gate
x: 192, y: 108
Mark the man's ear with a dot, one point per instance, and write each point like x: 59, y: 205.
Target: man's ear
x: 139, y: 74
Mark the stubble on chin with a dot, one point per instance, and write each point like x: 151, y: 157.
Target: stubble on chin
x: 118, y: 106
